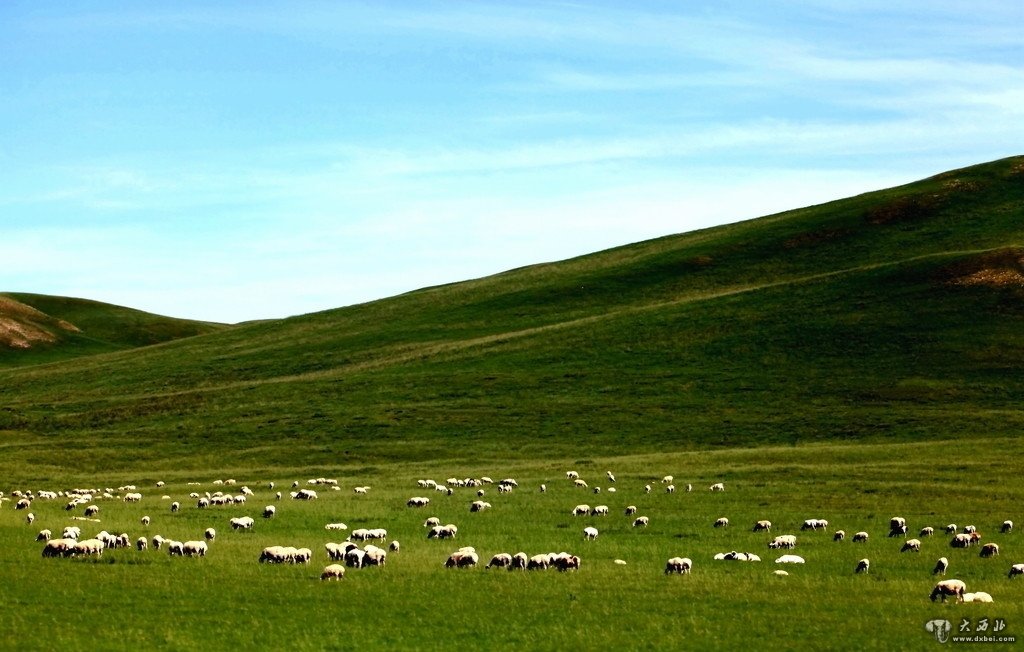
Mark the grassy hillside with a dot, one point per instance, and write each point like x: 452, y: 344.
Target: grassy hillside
x: 36, y: 328
x: 892, y: 316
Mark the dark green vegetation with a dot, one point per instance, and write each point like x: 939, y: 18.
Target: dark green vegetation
x: 851, y: 361
x: 36, y: 328
x: 892, y: 316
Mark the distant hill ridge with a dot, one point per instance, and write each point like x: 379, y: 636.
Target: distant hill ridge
x: 895, y: 315
x: 38, y: 328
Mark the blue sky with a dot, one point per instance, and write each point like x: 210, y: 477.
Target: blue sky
x: 235, y: 161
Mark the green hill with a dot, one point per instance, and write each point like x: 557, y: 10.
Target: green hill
x: 893, y: 315
x: 36, y: 328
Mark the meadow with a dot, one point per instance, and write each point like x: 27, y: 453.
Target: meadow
x: 851, y: 361
x: 128, y: 599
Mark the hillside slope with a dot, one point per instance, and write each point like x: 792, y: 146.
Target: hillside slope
x: 36, y: 328
x: 897, y: 314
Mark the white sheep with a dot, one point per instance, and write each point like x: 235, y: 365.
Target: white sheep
x: 1015, y: 570
x: 463, y: 558
x: 680, y: 565
x: 175, y: 506
x: 949, y: 587
x: 333, y: 572
x: 269, y: 511
x: 500, y: 560
x: 951, y: 528
x: 989, y: 550
x: 590, y: 533
x: 839, y: 535
x: 722, y: 522
x: 860, y: 537
x: 145, y: 521
x: 141, y: 544
x: 718, y: 486
x: 763, y: 526
x: 242, y: 523
x: 862, y: 566
x: 667, y: 479
x: 1007, y: 527
x: 926, y: 531
x: 977, y: 596
x: 599, y: 510
x: 787, y: 541
x: 670, y: 489
x: 913, y: 545
x: 941, y: 566
x: 581, y: 510
x: 641, y: 521
x: 790, y: 559
x: 814, y: 524
x: 630, y: 510
x: 44, y: 535
x: 519, y: 561
x: 210, y: 534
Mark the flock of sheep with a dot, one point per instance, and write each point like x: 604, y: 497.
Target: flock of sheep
x: 349, y: 554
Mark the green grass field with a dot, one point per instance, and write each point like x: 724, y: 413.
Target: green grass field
x: 851, y: 361
x: 129, y: 599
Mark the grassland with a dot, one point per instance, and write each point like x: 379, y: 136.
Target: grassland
x: 227, y: 600
x: 850, y: 361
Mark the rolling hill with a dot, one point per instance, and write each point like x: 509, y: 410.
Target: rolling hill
x: 36, y: 328
x: 895, y: 315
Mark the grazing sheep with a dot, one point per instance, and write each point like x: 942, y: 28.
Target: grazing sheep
x: 305, y: 494
x: 29, y: 518
x: 519, y: 561
x: 269, y: 511
x: 814, y: 524
x: 737, y: 556
x: 210, y: 534
x: 463, y: 558
x: 670, y: 489
x: 571, y: 475
x: 24, y: 503
x: 989, y: 550
x: 970, y: 529
x: 158, y: 541
x: 360, y: 490
x: 611, y: 478
x: 897, y: 526
x: 926, y: 531
x: 92, y: 510
x: 911, y: 545
x: 145, y: 521
x: 417, y: 501
x: 862, y: 566
x: 333, y: 572
x: 141, y: 544
x: 940, y: 566
x: 590, y: 533
x: 194, y: 548
x: 447, y: 531
x: 543, y: 488
x: 566, y: 562
x: 44, y: 535
x: 203, y: 503
x: 71, y: 532
x: 619, y: 562
x: 839, y: 535
x: 667, y: 480
x: 951, y: 528
x: 630, y: 510
x: 337, y: 551
x: 597, y: 490
x: 647, y: 488
x: 538, y: 562
x: 581, y: 510
x: 1006, y: 528
x: 335, y: 526
x: 949, y: 587
x: 580, y: 483
x: 718, y: 486
x: 790, y: 559
x: 679, y: 565
x: 599, y: 510
x: 722, y: 522
x: 787, y: 541
x: 1016, y: 569
x: 780, y: 573
x: 175, y: 548
x: 59, y: 548
x: 763, y: 526
x: 242, y: 523
x: 641, y: 521
x: 860, y: 537
x: 961, y: 541
x: 432, y: 521
x: 500, y: 560
x: 395, y: 546
x: 479, y: 506
x: 977, y: 596
x: 374, y: 556
x: 175, y: 506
